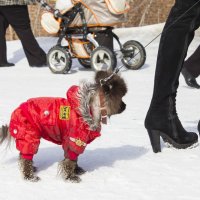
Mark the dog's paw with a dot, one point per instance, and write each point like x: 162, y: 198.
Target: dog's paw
x: 79, y: 170
x: 32, y: 179
x: 75, y: 179
x: 35, y: 179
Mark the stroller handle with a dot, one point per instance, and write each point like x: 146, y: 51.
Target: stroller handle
x: 55, y: 12
x: 47, y: 7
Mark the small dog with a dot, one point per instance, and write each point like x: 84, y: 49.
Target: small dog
x: 73, y: 122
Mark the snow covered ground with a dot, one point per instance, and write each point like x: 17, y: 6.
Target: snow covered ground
x: 120, y: 164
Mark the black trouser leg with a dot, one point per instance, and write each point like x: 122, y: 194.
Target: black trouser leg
x: 18, y: 17
x: 172, y: 51
x: 3, y: 50
x: 192, y: 64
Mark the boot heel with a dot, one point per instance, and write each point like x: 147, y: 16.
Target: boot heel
x: 154, y: 136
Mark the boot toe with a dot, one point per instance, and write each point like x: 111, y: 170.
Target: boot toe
x: 190, y: 79
x: 192, y: 83
x: 7, y: 64
x: 191, y: 137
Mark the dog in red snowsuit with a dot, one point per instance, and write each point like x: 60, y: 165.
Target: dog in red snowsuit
x: 72, y: 122
x: 55, y: 119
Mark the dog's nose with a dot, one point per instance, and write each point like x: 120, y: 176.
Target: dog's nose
x: 122, y: 107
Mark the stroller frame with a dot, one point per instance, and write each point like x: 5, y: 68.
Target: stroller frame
x: 100, y: 57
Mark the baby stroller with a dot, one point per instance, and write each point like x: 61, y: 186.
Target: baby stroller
x: 87, y: 27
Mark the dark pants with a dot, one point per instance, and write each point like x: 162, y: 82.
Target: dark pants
x: 192, y: 64
x: 17, y: 16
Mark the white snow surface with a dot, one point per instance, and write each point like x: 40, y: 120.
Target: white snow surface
x: 120, y: 164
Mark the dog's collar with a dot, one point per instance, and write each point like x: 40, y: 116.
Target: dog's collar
x: 103, y: 108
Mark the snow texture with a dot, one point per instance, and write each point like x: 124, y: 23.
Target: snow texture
x: 120, y: 164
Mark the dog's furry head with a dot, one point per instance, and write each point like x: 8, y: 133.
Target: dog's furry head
x: 113, y: 89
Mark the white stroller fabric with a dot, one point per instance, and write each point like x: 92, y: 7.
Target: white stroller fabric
x: 49, y: 23
x: 117, y: 6
x: 64, y: 5
x: 97, y: 12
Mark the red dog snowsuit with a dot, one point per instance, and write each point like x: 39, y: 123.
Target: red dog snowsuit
x: 58, y: 120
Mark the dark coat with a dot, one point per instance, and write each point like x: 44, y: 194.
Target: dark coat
x: 16, y: 2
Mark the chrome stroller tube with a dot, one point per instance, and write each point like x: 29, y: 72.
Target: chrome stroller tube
x: 89, y: 37
x: 92, y: 40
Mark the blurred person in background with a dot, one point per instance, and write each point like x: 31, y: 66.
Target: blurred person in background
x: 15, y: 13
x: 191, y: 69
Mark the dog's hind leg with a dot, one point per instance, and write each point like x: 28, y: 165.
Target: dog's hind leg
x: 67, y: 170
x: 27, y: 169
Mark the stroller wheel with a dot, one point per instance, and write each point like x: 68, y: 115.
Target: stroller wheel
x: 59, y: 60
x: 103, y: 58
x: 85, y: 62
x: 134, y: 55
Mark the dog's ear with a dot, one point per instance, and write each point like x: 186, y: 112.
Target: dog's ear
x: 99, y: 79
x: 100, y: 75
x: 107, y: 88
x: 115, y: 85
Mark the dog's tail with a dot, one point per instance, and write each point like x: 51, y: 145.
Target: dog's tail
x: 5, y: 135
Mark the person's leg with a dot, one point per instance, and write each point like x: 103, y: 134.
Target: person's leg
x: 3, y: 49
x: 18, y: 17
x: 192, y: 64
x: 162, y: 119
x: 191, y: 69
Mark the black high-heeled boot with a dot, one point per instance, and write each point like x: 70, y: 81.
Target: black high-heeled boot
x: 172, y: 133
x: 162, y: 120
